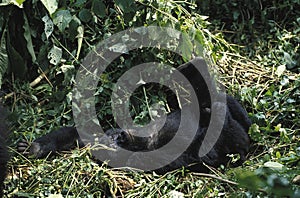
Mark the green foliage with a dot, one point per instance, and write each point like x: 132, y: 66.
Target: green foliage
x: 267, y: 180
x: 3, y: 57
x: 268, y: 31
x: 62, y: 18
x: 80, y: 171
x: 50, y: 38
x: 51, y: 6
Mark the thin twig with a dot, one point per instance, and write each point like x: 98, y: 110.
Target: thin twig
x: 215, y: 177
x: 32, y: 84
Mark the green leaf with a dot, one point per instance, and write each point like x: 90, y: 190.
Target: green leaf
x: 85, y: 15
x: 73, y: 25
x: 42, y: 60
x: 61, y: 19
x: 236, y: 14
x: 280, y: 70
x: 199, y: 38
x: 273, y: 165
x: 119, y: 48
x: 125, y: 5
x: 289, y: 61
x: 55, y: 196
x: 3, y: 56
x: 186, y: 47
x: 48, y: 29
x: 249, y: 179
x: 99, y: 8
x: 55, y: 55
x: 18, y: 3
x: 66, y: 68
x: 173, y: 33
x: 27, y: 36
x: 51, y: 5
x: 80, y: 3
x: 17, y: 64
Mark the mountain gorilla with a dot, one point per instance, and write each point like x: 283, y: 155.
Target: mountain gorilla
x: 233, y: 139
x: 4, y: 157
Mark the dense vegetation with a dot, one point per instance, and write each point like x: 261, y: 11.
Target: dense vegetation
x: 254, y: 46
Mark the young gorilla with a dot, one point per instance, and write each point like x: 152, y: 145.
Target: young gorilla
x: 4, y: 156
x: 233, y: 139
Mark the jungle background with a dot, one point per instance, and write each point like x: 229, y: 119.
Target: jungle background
x: 254, y: 46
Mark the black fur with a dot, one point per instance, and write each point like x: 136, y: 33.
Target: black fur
x: 4, y: 155
x: 234, y: 138
x: 62, y: 139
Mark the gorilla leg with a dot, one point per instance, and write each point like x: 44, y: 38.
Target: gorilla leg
x: 62, y: 139
x: 238, y: 113
x: 233, y: 139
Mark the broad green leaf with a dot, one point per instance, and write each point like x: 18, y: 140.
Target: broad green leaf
x: 73, y: 27
x: 273, y: 165
x: 51, y: 5
x: 3, y: 56
x: 55, y: 55
x: 199, y: 37
x: 173, y: 33
x: 153, y: 34
x: 61, y: 19
x: 48, y: 29
x: 186, y: 47
x: 119, y: 48
x: 174, y: 193
x: 42, y: 59
x: 85, y: 15
x: 80, y: 3
x: 17, y: 64
x: 249, y: 179
x: 289, y: 61
x: 66, y: 68
x: 18, y: 3
x: 125, y: 5
x: 98, y: 8
x: 27, y: 36
x: 280, y: 70
x: 55, y: 196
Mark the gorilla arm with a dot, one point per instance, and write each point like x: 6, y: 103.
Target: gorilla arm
x: 62, y: 139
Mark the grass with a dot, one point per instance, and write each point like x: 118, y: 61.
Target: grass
x: 268, y: 91
x: 76, y: 174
